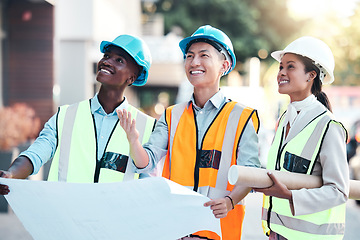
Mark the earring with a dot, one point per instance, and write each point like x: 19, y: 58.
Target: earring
x: 308, y: 80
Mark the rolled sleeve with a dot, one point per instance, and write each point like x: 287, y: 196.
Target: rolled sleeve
x: 248, y: 150
x: 43, y: 148
x: 157, y: 145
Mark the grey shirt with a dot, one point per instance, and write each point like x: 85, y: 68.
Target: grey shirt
x: 157, y: 145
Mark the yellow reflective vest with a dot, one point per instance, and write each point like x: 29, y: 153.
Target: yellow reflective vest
x: 299, y: 155
x: 204, y: 168
x: 75, y: 158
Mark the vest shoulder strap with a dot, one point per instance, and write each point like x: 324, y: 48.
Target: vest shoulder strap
x: 319, y: 131
x: 173, y: 114
x: 248, y: 113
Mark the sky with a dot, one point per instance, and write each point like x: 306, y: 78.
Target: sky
x: 319, y: 8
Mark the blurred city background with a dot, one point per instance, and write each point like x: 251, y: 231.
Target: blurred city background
x: 49, y: 50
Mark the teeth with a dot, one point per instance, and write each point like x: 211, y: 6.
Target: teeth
x: 196, y: 72
x: 283, y: 81
x: 104, y: 71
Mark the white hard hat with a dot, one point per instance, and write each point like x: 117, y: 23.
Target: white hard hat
x: 316, y: 50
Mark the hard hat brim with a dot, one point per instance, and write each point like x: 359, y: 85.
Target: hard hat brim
x: 277, y: 55
x: 183, y: 44
x: 104, y: 44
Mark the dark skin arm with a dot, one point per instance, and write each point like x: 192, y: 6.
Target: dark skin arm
x: 278, y: 190
x: 21, y: 168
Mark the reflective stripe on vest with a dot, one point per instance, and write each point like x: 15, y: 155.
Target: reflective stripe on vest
x: 204, y: 169
x: 75, y: 158
x: 276, y: 214
x: 306, y: 228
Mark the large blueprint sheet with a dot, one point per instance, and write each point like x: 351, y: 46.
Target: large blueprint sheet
x: 152, y: 208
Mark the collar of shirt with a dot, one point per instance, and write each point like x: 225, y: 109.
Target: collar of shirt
x: 96, y: 106
x: 216, y: 101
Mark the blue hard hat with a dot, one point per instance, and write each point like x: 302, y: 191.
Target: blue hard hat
x: 205, y: 33
x: 137, y: 49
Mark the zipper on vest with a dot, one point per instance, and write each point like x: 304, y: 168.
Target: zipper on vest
x: 199, y: 148
x: 98, y: 162
x: 269, y: 212
x: 198, y: 156
x: 277, y: 167
x: 281, y: 148
x: 97, y: 166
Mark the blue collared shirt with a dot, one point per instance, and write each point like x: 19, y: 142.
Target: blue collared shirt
x: 156, y: 147
x: 43, y: 149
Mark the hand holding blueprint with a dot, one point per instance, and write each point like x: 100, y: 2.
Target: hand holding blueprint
x: 151, y: 208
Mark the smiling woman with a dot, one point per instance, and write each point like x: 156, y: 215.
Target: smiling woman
x: 308, y: 140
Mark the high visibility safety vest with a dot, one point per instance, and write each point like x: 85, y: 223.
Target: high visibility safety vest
x: 299, y: 155
x: 204, y: 168
x: 75, y: 158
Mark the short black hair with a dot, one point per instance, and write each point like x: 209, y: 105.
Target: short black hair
x: 211, y: 42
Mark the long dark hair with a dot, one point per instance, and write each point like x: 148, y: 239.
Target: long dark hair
x: 317, y: 84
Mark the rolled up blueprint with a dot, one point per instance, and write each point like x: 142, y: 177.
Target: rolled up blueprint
x: 258, y: 178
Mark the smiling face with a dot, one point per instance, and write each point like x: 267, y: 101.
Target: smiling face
x: 292, y: 78
x: 116, y: 68
x: 204, y: 65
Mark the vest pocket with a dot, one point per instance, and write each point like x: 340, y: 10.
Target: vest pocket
x: 294, y: 163
x: 210, y: 159
x: 114, y: 161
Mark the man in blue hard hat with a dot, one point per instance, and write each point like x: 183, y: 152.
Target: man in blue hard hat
x: 84, y: 140
x: 203, y: 137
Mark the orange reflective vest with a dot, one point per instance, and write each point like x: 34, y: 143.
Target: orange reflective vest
x: 204, y: 168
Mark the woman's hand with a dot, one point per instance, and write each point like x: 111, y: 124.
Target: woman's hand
x: 278, y: 189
